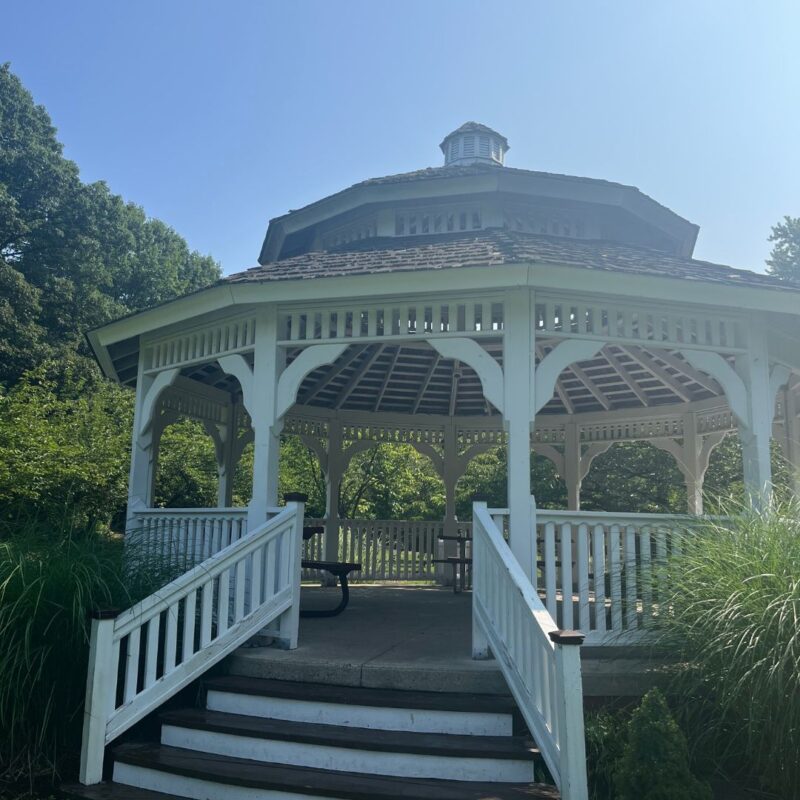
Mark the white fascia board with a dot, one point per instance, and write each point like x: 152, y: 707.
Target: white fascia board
x: 545, y: 276
x: 101, y: 354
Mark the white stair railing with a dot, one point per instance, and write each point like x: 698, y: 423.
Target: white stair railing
x: 140, y: 658
x: 541, y: 664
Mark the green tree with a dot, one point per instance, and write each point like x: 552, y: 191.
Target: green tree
x: 72, y: 255
x: 784, y: 260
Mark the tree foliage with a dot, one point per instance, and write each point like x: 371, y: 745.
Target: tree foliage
x: 72, y: 255
x: 784, y: 260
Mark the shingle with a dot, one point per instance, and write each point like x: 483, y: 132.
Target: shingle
x: 496, y: 247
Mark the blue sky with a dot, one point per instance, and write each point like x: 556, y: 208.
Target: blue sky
x: 216, y: 116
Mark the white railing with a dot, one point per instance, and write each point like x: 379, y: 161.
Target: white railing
x: 183, y: 537
x: 605, y: 573
x: 541, y: 664
x: 140, y: 658
x: 391, y: 550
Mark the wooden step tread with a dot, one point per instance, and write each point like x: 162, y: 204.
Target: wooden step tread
x: 364, y: 696
x: 323, y: 783
x: 112, y: 791
x: 438, y: 744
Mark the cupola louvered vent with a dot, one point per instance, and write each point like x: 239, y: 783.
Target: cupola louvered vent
x: 473, y: 143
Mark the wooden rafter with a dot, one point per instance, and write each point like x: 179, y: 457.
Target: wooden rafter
x: 386, y: 380
x: 706, y: 381
x: 646, y: 361
x: 356, y: 377
x: 426, y: 381
x: 454, y: 386
x: 628, y: 379
x: 332, y: 373
x: 591, y: 386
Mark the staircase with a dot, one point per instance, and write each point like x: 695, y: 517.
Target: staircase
x: 256, y: 738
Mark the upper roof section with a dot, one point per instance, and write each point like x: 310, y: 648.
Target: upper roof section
x: 474, y: 191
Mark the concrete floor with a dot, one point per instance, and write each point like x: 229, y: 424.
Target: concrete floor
x: 413, y: 637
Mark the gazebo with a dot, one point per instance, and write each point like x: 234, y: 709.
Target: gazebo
x: 458, y: 308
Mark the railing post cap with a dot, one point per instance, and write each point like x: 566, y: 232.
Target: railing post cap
x: 567, y: 637
x: 104, y: 613
x: 295, y: 497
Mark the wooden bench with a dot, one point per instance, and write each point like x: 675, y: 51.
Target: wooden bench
x: 339, y: 570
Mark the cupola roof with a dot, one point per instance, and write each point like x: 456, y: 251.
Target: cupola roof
x: 474, y: 143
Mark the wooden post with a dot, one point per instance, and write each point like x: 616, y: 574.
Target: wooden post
x: 569, y: 710
x: 480, y: 643
x: 333, y: 480
x: 518, y: 374
x: 756, y: 431
x: 289, y: 623
x: 101, y: 686
x: 267, y: 364
x: 572, y: 465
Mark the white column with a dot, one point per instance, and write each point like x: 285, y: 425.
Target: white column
x: 755, y: 434
x: 268, y: 362
x: 518, y: 376
x: 692, y: 469
x: 450, y: 476
x: 141, y: 476
x: 572, y: 465
x: 226, y: 460
x: 333, y: 480
x: 792, y: 436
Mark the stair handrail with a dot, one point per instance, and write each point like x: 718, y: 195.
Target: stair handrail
x: 541, y: 664
x: 208, y: 612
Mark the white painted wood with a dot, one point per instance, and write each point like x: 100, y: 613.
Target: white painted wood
x: 563, y: 355
x: 517, y: 626
x: 284, y: 529
x: 101, y: 684
x: 486, y: 368
x: 291, y: 378
x: 343, y: 759
x: 421, y: 720
x: 181, y: 786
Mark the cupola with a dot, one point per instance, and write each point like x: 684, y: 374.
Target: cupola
x: 474, y: 143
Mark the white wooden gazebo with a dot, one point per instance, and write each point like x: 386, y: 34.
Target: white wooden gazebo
x: 459, y: 308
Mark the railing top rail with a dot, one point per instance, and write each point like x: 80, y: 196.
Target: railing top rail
x: 609, y: 517
x: 393, y: 521
x: 522, y: 583
x: 199, y: 512
x: 173, y: 591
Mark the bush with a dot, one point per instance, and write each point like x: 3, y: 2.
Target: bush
x: 654, y: 764
x: 49, y: 580
x: 605, y: 741
x: 734, y: 600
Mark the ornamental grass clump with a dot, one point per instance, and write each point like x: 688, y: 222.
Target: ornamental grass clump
x: 732, y: 612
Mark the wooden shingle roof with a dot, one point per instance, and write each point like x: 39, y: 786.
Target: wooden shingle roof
x: 495, y: 247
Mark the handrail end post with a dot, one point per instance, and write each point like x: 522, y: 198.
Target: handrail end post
x: 288, y: 624
x: 572, y: 744
x: 101, y: 683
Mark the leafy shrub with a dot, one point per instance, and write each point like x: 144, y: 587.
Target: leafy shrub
x: 654, y: 764
x: 734, y: 600
x: 49, y: 581
x: 605, y: 740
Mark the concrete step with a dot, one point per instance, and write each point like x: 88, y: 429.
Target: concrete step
x: 377, y: 709
x: 505, y: 759
x: 186, y: 773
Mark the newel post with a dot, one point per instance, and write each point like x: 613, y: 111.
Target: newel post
x: 101, y: 686
x: 569, y: 711
x: 290, y: 620
x: 480, y: 642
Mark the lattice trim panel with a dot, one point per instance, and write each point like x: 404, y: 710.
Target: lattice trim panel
x: 392, y: 320
x: 568, y: 316
x: 201, y: 344
x: 194, y: 406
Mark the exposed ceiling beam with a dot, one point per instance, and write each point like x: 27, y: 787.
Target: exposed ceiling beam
x: 356, y: 377
x: 560, y: 390
x: 386, y: 380
x: 591, y: 386
x: 454, y: 386
x: 434, y: 364
x: 645, y: 360
x: 706, y: 381
x: 628, y: 379
x: 332, y: 373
